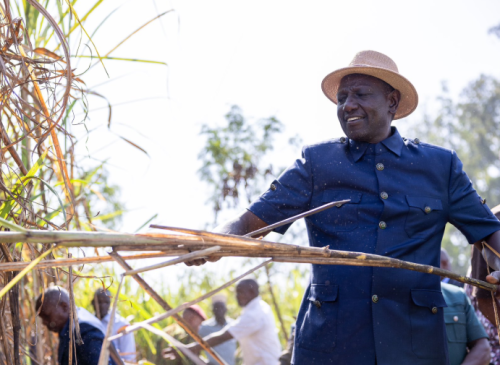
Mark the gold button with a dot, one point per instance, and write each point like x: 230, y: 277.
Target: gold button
x: 380, y: 166
x: 427, y: 210
x: 455, y: 319
x: 434, y: 310
x: 374, y: 298
x: 483, y: 201
x: 273, y: 187
x: 317, y: 303
x: 382, y: 225
x: 416, y: 141
x: 384, y: 195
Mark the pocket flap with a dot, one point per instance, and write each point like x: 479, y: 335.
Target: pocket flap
x: 422, y: 202
x: 323, y: 293
x: 453, y: 318
x: 428, y: 298
x: 337, y: 195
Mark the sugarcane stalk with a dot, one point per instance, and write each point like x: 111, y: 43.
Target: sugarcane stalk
x: 183, y: 258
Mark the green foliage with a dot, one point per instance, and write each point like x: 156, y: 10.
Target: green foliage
x: 232, y: 157
x: 470, y: 126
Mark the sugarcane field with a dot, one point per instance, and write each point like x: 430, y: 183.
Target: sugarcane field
x: 249, y: 183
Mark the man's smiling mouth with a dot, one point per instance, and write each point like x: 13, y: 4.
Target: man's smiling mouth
x: 353, y: 119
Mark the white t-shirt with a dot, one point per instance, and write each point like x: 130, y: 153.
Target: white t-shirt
x: 126, y: 344
x: 255, y: 331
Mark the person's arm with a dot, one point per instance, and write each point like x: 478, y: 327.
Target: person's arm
x: 242, y: 224
x: 213, y: 340
x: 490, y: 257
x: 479, y: 352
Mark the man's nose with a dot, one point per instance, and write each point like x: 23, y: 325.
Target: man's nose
x: 350, y: 104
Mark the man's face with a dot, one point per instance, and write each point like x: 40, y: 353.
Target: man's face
x: 366, y: 107
x: 219, y: 309
x: 243, y: 295
x: 101, y: 305
x: 192, y: 318
x: 54, y: 317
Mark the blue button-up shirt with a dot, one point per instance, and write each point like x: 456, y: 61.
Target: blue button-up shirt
x: 402, y: 192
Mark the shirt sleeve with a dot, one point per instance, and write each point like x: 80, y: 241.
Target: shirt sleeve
x: 289, y: 195
x: 244, y: 326
x: 126, y: 345
x: 468, y: 212
x: 475, y: 329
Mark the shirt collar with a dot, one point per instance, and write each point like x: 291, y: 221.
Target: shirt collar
x: 393, y: 143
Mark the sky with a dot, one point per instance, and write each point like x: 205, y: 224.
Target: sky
x: 268, y: 57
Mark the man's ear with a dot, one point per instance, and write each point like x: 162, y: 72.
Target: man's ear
x: 393, y: 97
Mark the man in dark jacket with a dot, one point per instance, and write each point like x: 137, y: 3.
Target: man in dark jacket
x: 54, y: 310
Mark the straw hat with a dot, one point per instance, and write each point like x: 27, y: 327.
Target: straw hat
x: 380, y: 66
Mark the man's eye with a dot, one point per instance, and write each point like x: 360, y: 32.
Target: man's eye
x: 341, y: 99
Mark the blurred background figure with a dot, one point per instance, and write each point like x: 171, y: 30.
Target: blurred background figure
x: 194, y: 316
x: 481, y: 299
x: 227, y: 349
x: 124, y: 345
x: 255, y: 329
x: 446, y: 265
x: 53, y: 307
x: 467, y: 339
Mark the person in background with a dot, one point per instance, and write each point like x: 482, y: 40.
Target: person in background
x: 227, y: 349
x: 53, y: 307
x: 446, y: 264
x: 194, y: 316
x: 286, y: 355
x: 467, y: 339
x: 482, y: 301
x: 255, y: 329
x: 124, y: 345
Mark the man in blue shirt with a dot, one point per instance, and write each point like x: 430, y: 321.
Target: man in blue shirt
x: 54, y: 310
x: 402, y: 193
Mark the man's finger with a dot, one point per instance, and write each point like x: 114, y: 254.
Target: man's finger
x: 213, y: 258
x: 494, y: 277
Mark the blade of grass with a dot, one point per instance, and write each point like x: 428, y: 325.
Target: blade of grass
x: 24, y: 272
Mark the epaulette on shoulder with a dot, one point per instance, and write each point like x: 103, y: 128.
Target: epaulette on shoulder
x: 418, y: 142
x: 340, y: 140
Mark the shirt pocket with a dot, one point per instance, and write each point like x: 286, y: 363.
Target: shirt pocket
x: 426, y: 316
x: 423, y: 214
x: 338, y: 219
x: 318, y: 331
x: 456, y: 326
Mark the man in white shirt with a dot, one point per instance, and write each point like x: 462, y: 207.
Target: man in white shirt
x: 255, y: 329
x: 125, y: 345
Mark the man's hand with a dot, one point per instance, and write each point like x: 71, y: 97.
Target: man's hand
x: 169, y: 353
x: 490, y: 257
x: 244, y: 223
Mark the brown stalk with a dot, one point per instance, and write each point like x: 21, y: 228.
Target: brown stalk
x: 163, y: 303
x: 275, y: 303
x: 16, y: 322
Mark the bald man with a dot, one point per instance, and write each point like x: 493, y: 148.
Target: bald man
x: 124, y: 345
x: 255, y: 329
x: 54, y: 310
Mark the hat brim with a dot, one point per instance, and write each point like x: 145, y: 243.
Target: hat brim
x: 409, y: 96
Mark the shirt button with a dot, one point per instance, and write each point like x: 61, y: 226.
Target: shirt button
x: 273, y: 187
x: 317, y: 303
x: 382, y: 225
x: 455, y: 319
x: 384, y: 195
x: 342, y: 139
x: 416, y: 141
x: 380, y: 166
x: 434, y: 310
x: 427, y: 210
x: 374, y: 298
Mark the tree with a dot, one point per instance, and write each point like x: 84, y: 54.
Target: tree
x: 232, y: 158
